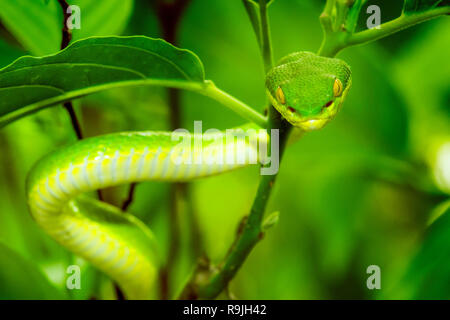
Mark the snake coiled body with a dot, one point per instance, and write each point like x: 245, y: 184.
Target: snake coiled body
x: 115, y: 242
x: 306, y: 89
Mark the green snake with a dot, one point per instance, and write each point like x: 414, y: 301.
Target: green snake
x: 308, y: 90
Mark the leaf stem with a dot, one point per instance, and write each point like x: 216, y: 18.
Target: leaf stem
x: 206, y: 88
x: 234, y: 104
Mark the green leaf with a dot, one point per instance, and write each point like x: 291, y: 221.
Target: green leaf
x: 415, y: 6
x: 20, y: 279
x: 92, y: 65
x: 37, y: 25
x: 428, y: 275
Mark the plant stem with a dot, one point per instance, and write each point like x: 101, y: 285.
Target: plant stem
x: 206, y: 88
x: 339, y: 33
x: 400, y: 23
x: 130, y: 197
x: 251, y: 231
x: 234, y: 104
x: 66, y: 37
x: 266, y: 46
x: 252, y: 13
x: 74, y: 120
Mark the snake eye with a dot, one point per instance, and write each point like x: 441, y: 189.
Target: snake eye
x: 280, y: 96
x: 337, y: 88
x: 329, y: 103
x: 291, y: 110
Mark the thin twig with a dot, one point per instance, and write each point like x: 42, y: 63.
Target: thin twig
x: 66, y: 38
x: 253, y: 15
x: 73, y: 118
x: 66, y: 35
x: 339, y: 28
x: 393, y: 26
x: 129, y: 198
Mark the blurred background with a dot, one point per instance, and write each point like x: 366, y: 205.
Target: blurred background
x: 362, y: 191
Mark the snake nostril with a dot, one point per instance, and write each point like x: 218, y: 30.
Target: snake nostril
x: 291, y: 109
x: 329, y: 103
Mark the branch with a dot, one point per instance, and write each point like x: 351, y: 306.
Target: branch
x: 252, y: 229
x: 129, y: 198
x: 66, y: 35
x: 340, y: 17
x: 266, y: 46
x: 393, y: 26
x: 65, y: 40
x: 249, y: 236
x: 252, y: 13
x: 234, y: 104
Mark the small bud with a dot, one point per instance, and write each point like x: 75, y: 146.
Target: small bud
x: 271, y: 220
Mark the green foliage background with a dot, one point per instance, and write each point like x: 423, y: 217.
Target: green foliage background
x: 359, y: 192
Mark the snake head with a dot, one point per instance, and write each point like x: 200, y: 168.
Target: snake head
x: 308, y: 90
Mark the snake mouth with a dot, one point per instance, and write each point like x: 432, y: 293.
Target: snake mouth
x: 316, y: 123
x: 306, y: 123
x: 312, y: 124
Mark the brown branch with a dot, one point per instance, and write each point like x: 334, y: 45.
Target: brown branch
x: 66, y: 38
x: 73, y: 118
x: 130, y: 197
x: 66, y: 35
x: 169, y: 17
